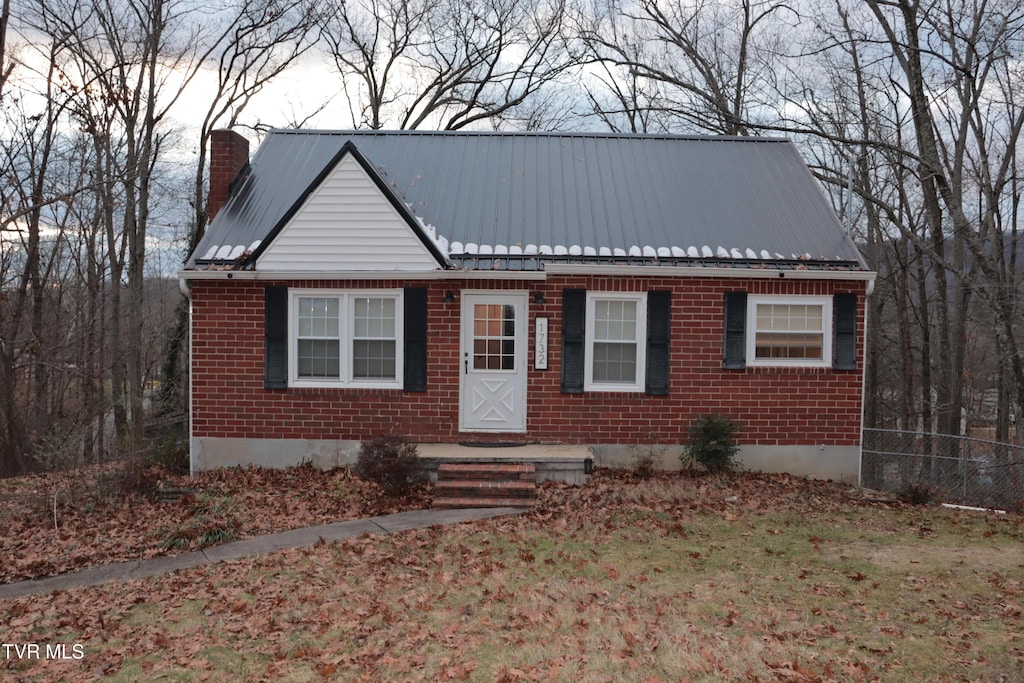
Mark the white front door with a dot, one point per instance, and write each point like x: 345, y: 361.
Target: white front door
x: 493, y: 387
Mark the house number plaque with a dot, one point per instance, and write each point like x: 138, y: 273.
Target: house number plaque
x: 540, y: 347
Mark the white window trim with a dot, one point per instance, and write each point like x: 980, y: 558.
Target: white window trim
x: 346, y: 313
x: 826, y: 329
x: 641, y: 342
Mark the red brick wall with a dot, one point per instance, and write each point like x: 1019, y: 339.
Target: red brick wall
x: 777, y: 406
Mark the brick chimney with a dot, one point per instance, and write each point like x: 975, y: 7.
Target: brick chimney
x: 229, y: 154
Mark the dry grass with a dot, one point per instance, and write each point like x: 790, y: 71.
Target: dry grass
x: 59, y: 522
x: 674, y: 580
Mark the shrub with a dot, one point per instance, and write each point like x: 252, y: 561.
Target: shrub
x: 918, y: 493
x: 199, y: 535
x: 391, y: 462
x: 172, y: 455
x: 712, y: 444
x: 214, y: 519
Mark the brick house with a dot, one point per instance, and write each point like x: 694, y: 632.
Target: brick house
x: 595, y: 289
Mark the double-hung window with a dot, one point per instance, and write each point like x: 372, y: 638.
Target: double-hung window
x: 346, y: 338
x: 318, y: 338
x: 615, y: 341
x: 789, y: 330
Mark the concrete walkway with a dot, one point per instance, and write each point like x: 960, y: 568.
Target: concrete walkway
x: 258, y: 545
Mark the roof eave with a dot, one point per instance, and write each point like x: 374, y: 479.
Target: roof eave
x: 765, y: 273
x: 277, y: 275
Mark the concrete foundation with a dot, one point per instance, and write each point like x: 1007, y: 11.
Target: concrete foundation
x: 839, y: 463
x: 211, y: 453
x: 556, y: 462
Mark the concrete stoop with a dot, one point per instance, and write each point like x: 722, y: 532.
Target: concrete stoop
x: 478, y: 485
x: 565, y: 463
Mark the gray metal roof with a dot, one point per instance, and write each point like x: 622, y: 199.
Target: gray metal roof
x: 672, y: 199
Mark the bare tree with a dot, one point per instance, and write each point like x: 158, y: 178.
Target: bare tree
x: 961, y: 143
x: 84, y: 162
x: 448, y: 64
x: 257, y: 43
x: 26, y: 265
x: 921, y: 98
x: 701, y: 66
x: 6, y: 64
x: 122, y: 56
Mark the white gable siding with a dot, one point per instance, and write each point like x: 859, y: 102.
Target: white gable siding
x: 346, y: 224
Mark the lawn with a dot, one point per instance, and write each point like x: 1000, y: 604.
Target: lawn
x: 56, y: 523
x: 676, y: 578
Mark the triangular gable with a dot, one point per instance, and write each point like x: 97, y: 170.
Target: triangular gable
x: 348, y: 220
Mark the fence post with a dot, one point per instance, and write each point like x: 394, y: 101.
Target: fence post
x: 963, y: 457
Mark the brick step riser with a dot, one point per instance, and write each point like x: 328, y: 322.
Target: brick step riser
x: 472, y: 492
x: 485, y: 476
x: 505, y: 469
x: 496, y: 466
x: 466, y: 485
x: 463, y: 488
x: 453, y: 503
x: 488, y: 483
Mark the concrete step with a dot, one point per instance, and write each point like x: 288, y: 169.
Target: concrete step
x: 570, y: 464
x: 475, y: 502
x: 465, y: 488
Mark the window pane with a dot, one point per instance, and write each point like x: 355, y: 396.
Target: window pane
x: 319, y: 358
x: 373, y: 318
x: 318, y: 317
x: 615, y: 320
x: 789, y: 331
x: 614, y: 363
x: 373, y: 359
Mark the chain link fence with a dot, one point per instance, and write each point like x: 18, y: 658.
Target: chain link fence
x: 951, y: 469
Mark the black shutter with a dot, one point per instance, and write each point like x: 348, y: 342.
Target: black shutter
x: 574, y: 313
x: 659, y: 305
x: 844, y: 343
x: 275, y: 334
x: 415, y: 323
x: 735, y: 345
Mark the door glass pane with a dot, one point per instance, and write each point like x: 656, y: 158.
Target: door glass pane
x: 494, y: 328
